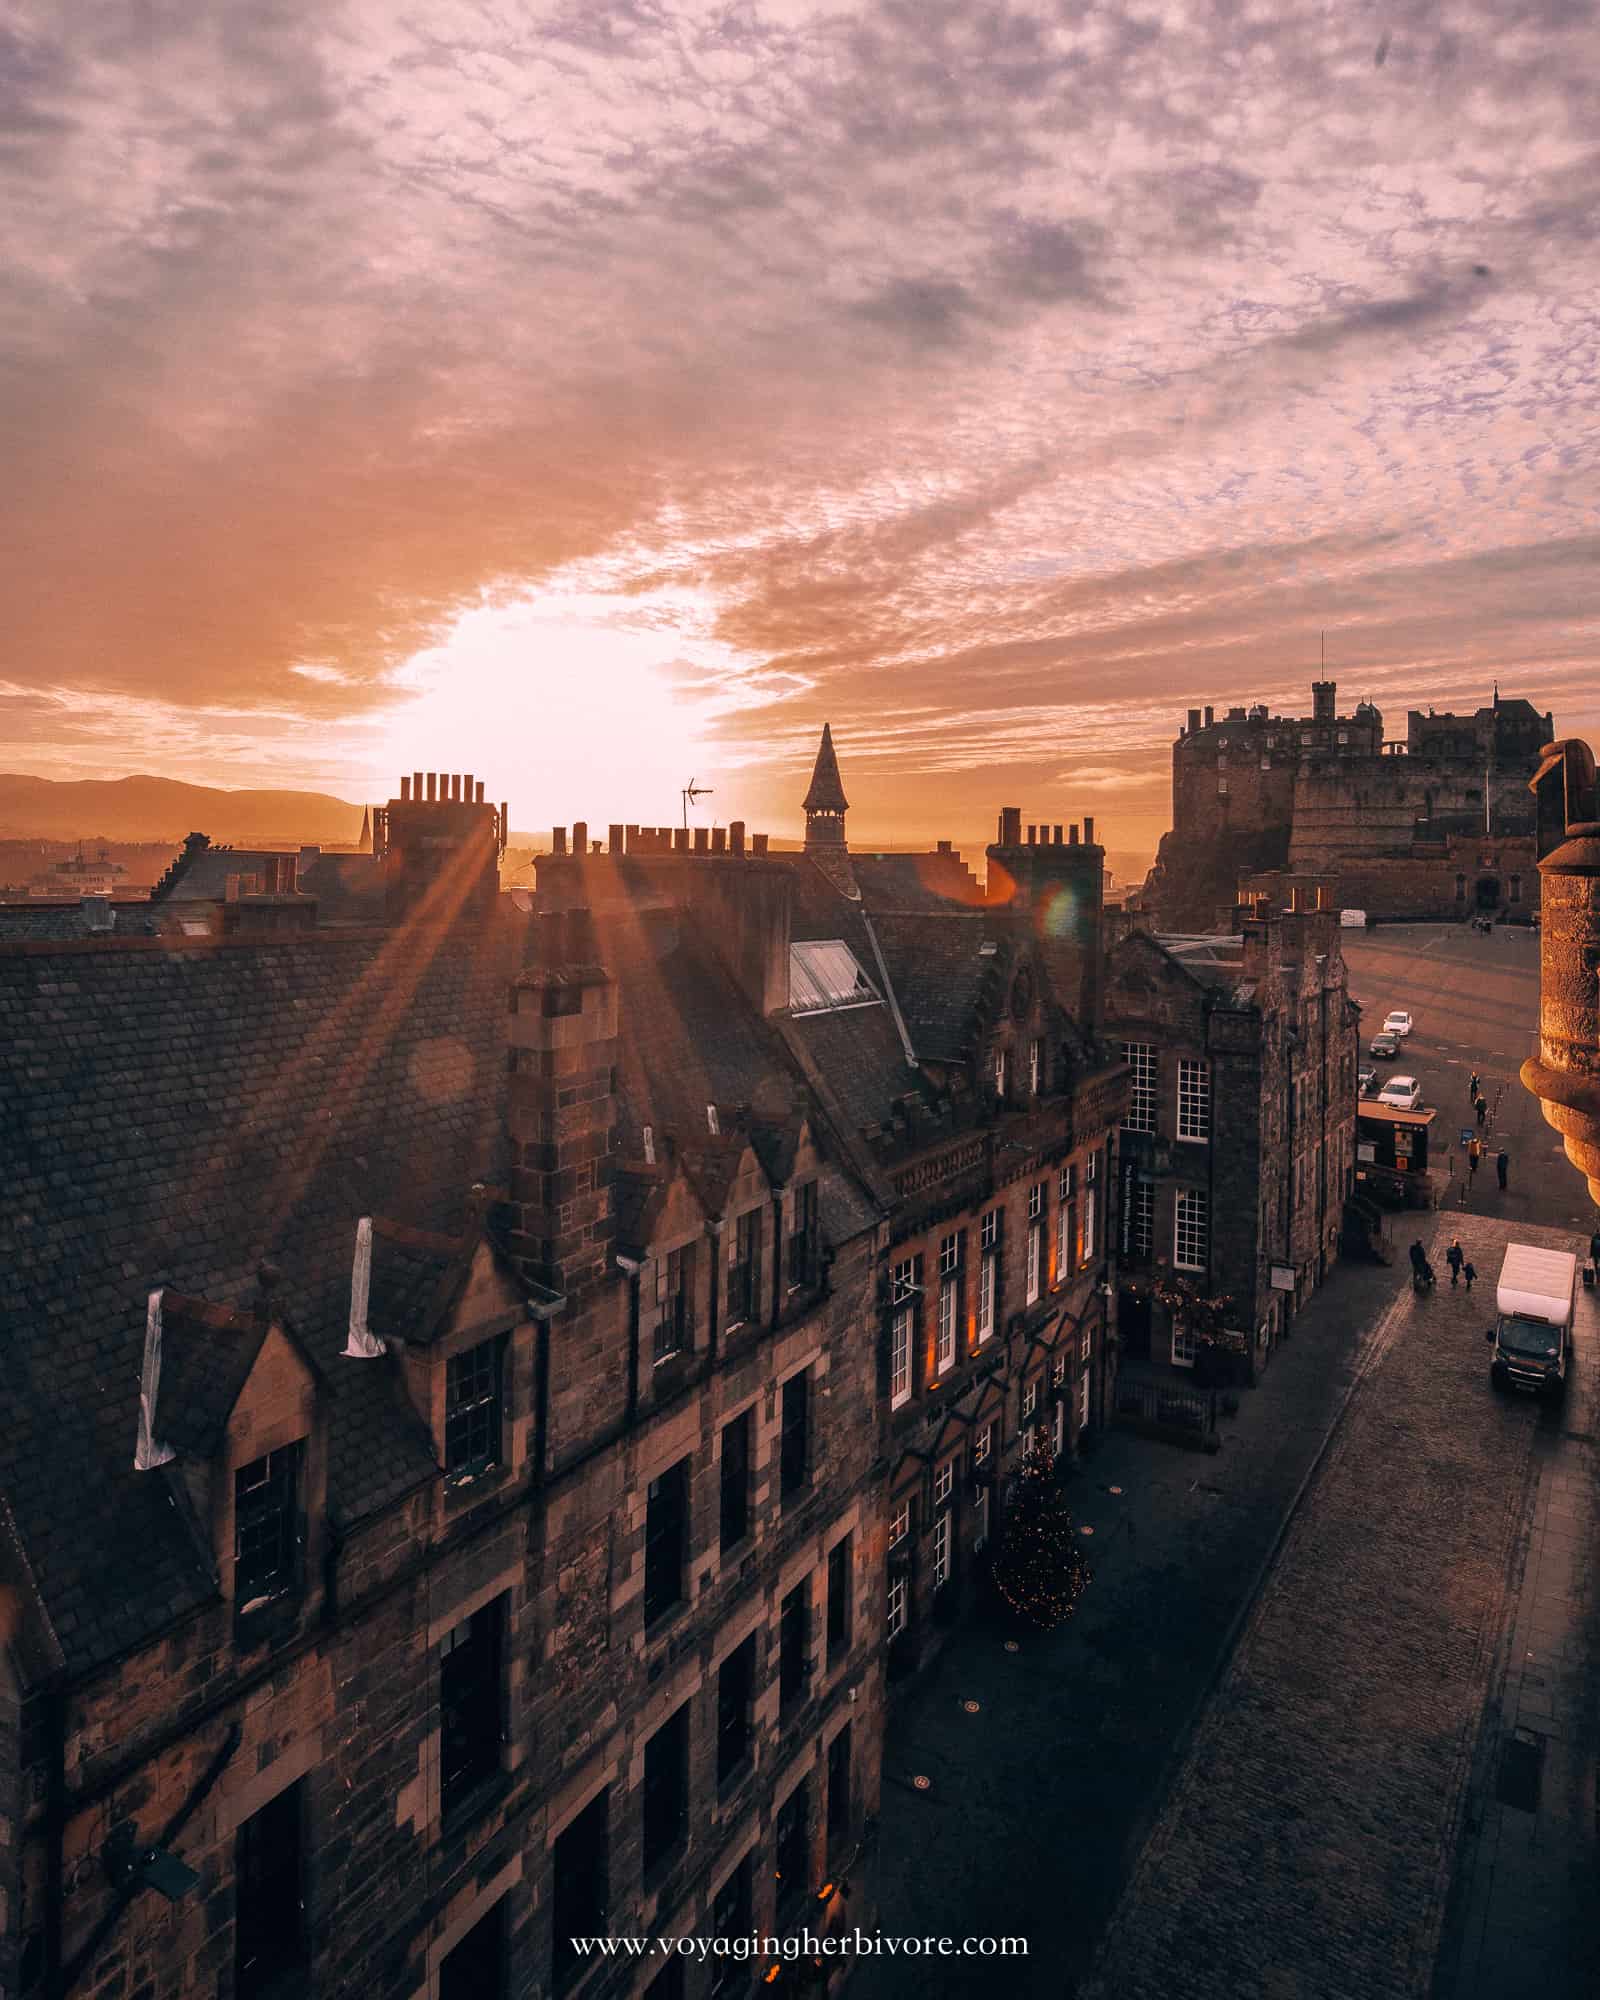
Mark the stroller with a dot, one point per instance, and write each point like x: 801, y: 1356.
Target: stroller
x: 1423, y: 1275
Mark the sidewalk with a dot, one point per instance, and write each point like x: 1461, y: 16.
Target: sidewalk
x: 1040, y: 1799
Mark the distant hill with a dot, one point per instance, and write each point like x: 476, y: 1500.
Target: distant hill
x: 163, y: 809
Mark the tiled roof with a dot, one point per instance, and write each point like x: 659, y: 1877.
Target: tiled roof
x: 207, y: 1353
x: 171, y: 1116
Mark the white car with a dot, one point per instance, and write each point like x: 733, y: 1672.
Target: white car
x: 1398, y: 1023
x: 1403, y: 1092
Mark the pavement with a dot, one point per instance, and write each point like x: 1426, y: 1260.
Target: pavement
x: 1323, y: 1722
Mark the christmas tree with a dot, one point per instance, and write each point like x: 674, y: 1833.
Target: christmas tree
x: 1040, y: 1572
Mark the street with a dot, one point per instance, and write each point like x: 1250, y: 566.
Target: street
x: 1324, y: 1721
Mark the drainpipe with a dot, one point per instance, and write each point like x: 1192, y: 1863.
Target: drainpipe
x: 55, y: 1835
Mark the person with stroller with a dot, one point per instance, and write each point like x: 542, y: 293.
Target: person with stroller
x: 1423, y: 1276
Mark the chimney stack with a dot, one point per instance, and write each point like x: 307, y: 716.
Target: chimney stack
x: 1209, y: 714
x: 1194, y: 722
x: 1088, y: 831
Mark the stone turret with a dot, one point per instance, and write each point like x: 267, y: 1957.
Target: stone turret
x: 1565, y: 1075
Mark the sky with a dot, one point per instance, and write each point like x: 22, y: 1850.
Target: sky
x: 599, y: 394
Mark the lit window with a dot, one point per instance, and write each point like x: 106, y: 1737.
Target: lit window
x: 1141, y: 1060
x: 1194, y: 1099
x: 1190, y: 1229
x: 900, y: 1357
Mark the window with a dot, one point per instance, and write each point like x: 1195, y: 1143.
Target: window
x: 1035, y: 1259
x: 839, y: 1813
x: 1058, y: 1428
x: 1000, y: 1071
x: 1030, y: 1398
x: 823, y: 975
x: 1066, y: 1184
x: 986, y: 1288
x: 941, y: 1550
x: 736, y: 1685
x: 744, y: 1270
x: 1083, y: 1401
x: 1183, y: 1346
x: 983, y: 1445
x: 732, y: 1916
x: 1035, y: 1066
x: 898, y: 1606
x: 470, y: 1704
x: 1194, y: 1099
x: 675, y: 1302
x: 792, y: 1849
x: 1142, y: 1219
x: 804, y: 1236
x: 841, y: 1586
x: 900, y: 1523
x: 900, y: 1358
x: 666, y: 1789
x: 980, y: 1519
x: 266, y: 1528
x: 666, y: 1525
x: 1091, y: 1220
x: 944, y: 1480
x: 735, y: 1481
x: 476, y: 1968
x: 1222, y: 788
x: 1190, y: 1230
x: 1058, y: 1371
x: 269, y: 1909
x: 580, y: 1888
x: 1066, y: 1224
x: 949, y: 1300
x: 1085, y: 1346
x: 794, y: 1444
x: 472, y: 1410
x: 1141, y: 1060
x: 1036, y: 1201
x: 794, y: 1645
x: 949, y: 1254
x: 989, y: 1230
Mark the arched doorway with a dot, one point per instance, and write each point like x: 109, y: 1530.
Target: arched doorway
x: 1488, y: 892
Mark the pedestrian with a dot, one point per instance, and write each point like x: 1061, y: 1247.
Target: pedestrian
x: 1454, y: 1257
x: 1473, y: 1088
x: 1474, y: 1154
x: 1469, y: 1273
x: 1502, y: 1165
x: 1419, y: 1265
x: 1481, y: 1106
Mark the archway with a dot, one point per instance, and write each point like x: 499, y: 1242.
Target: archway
x: 1488, y: 892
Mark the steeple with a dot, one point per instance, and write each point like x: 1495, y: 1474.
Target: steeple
x: 825, y: 804
x: 364, y: 845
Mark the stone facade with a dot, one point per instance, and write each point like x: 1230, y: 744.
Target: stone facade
x: 1433, y: 825
x: 1239, y: 1145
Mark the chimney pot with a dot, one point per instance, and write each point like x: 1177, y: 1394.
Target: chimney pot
x: 1210, y: 712
x: 416, y: 788
x: 479, y: 799
x: 1055, y: 836
x: 580, y: 836
x: 558, y: 840
x: 736, y: 836
x: 466, y: 788
x: 1088, y: 830
x: 614, y: 839
x: 630, y: 839
x: 455, y: 788
x: 758, y: 843
x: 1011, y: 826
x: 1072, y: 834
x: 405, y: 788
x: 719, y: 840
x: 702, y: 840
x: 1194, y: 722
x: 432, y: 785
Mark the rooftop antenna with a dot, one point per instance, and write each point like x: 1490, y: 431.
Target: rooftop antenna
x: 689, y: 794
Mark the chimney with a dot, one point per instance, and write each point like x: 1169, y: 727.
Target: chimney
x: 562, y: 1110
x: 478, y: 801
x: 466, y: 789
x: 1072, y: 834
x: 416, y: 788
x: 616, y: 840
x: 1033, y: 836
x: 1056, y: 902
x: 680, y: 840
x: 433, y: 786
x: 1088, y: 831
x: 1194, y: 722
x: 702, y: 840
x: 558, y: 840
x: 405, y: 791
x: 719, y: 840
x: 1210, y: 712
x: 361, y: 1343
x: 1011, y: 826
x: 736, y: 838
x: 446, y: 863
x: 580, y: 837
x: 758, y: 843
x: 1055, y: 836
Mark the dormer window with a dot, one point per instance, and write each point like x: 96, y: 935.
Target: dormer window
x: 803, y: 1238
x: 472, y: 1411
x: 744, y: 1269
x: 675, y: 1299
x: 266, y: 1529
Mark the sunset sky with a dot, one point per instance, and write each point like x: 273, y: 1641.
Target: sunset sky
x: 600, y: 394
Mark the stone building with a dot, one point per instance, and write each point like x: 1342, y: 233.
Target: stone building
x: 437, y: 1509
x: 1565, y: 1074
x: 1436, y: 824
x: 1237, y: 1150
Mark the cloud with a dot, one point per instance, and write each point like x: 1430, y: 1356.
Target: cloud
x: 973, y: 376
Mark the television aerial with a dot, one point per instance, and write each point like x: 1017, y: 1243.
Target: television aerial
x: 689, y: 794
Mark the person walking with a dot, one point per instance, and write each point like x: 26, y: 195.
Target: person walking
x: 1480, y: 1104
x: 1474, y: 1087
x: 1469, y: 1273
x: 1455, y: 1256
x: 1474, y: 1154
x: 1502, y: 1166
x: 1419, y: 1266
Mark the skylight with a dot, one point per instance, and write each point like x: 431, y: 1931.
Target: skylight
x: 825, y: 976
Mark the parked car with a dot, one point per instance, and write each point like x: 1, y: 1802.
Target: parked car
x: 1403, y: 1092
x: 1398, y: 1023
x: 1387, y: 1046
x: 1367, y: 1082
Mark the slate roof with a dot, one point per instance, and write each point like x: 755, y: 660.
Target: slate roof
x: 170, y: 1115
x: 349, y: 888
x: 207, y: 1353
x: 41, y: 919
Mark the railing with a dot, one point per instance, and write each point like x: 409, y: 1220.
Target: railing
x: 1168, y: 1405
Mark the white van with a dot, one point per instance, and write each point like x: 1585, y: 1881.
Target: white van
x: 1532, y: 1333
x: 1353, y: 920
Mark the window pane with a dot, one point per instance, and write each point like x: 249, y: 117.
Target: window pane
x: 472, y: 1409
x: 1141, y: 1060
x: 266, y: 1515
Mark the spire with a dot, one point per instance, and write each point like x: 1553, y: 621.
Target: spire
x: 825, y: 804
x: 364, y: 845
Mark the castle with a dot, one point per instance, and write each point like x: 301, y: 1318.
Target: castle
x: 1437, y: 825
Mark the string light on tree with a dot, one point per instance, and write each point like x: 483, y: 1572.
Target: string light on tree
x: 1040, y: 1572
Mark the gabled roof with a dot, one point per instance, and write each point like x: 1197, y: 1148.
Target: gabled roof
x: 207, y: 1353
x: 826, y: 793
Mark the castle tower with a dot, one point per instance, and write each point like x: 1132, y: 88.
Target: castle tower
x: 1324, y: 701
x: 825, y: 803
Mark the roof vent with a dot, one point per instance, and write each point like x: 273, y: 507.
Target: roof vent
x: 363, y: 1344
x: 147, y: 1453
